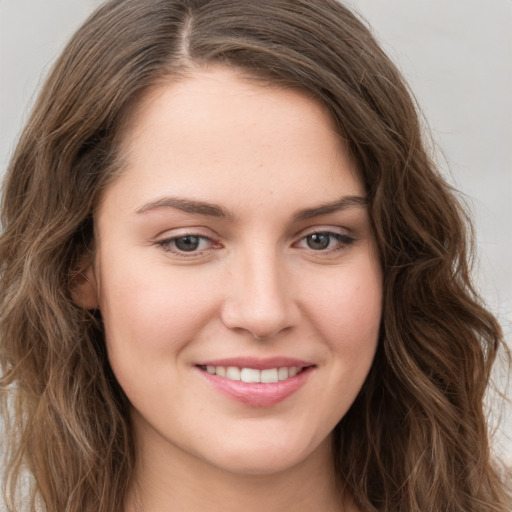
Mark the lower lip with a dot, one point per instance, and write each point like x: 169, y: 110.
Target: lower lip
x: 258, y: 394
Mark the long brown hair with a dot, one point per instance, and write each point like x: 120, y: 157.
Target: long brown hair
x: 416, y: 437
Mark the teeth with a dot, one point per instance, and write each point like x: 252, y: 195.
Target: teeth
x: 233, y: 373
x: 270, y: 375
x: 251, y: 375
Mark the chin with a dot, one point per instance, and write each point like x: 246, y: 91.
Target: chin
x: 267, y: 458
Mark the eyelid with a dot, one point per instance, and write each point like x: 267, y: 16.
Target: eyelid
x: 166, y: 240
x: 344, y: 236
x: 186, y: 231
x: 337, y: 230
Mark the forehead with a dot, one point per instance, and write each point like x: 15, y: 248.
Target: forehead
x: 225, y: 97
x: 216, y: 130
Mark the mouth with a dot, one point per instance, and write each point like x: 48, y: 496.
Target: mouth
x: 254, y: 375
x: 256, y: 383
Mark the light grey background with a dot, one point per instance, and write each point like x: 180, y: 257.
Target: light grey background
x: 457, y: 56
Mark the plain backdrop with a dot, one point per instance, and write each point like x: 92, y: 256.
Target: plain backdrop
x: 457, y: 57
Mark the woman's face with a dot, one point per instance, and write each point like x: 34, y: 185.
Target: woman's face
x: 236, y: 246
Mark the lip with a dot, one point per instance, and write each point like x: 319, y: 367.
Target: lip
x: 257, y: 394
x: 257, y: 363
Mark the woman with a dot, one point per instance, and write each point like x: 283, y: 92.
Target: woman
x: 232, y: 277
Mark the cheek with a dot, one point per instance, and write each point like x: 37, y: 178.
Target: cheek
x: 348, y: 308
x: 151, y: 299
x: 347, y: 316
x: 149, y: 316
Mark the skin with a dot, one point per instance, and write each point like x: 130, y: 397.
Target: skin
x: 260, y: 154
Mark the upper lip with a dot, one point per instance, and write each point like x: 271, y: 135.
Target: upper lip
x: 257, y: 363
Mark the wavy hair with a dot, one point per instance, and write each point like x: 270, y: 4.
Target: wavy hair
x: 416, y: 437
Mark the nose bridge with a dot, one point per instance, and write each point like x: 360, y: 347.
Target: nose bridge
x: 260, y: 299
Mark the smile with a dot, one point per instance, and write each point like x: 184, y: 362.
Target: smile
x: 256, y: 383
x: 253, y: 375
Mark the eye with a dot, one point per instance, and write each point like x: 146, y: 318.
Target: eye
x: 190, y: 243
x: 325, y: 241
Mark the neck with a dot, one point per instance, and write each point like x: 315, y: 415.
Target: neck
x: 169, y: 479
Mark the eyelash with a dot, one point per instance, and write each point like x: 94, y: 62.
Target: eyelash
x: 342, y: 239
x: 169, y: 244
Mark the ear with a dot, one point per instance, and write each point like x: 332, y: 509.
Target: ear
x: 83, y: 285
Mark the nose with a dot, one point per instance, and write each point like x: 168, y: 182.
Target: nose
x: 259, y: 296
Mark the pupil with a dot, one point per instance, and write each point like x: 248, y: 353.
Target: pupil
x: 318, y: 241
x: 187, y: 243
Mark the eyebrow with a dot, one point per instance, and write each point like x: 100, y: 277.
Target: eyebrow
x: 335, y: 206
x: 187, y: 206
x: 196, y: 207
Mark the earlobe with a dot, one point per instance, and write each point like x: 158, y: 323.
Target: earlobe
x: 84, y: 289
